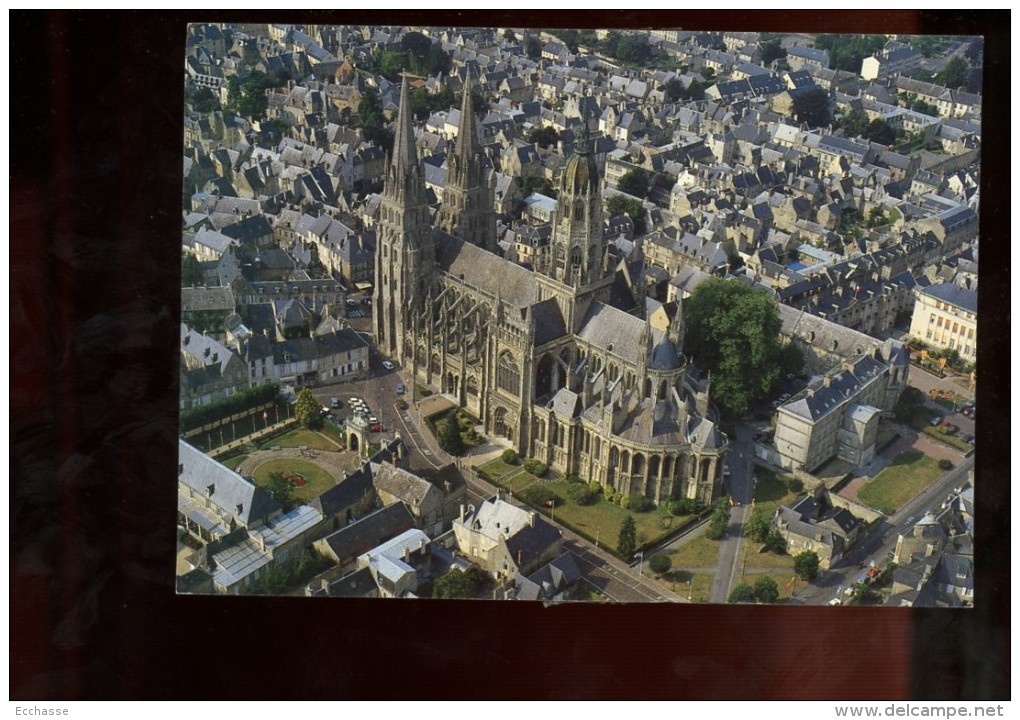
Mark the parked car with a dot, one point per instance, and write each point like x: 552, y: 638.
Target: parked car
x: 968, y: 439
x: 387, y: 364
x: 352, y: 303
x: 934, y: 422
x: 400, y: 388
x: 726, y: 469
x: 334, y: 402
x: 376, y: 427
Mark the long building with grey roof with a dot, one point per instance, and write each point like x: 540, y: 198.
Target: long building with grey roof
x: 553, y: 360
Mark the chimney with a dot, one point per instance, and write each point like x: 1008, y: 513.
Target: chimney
x: 531, y: 519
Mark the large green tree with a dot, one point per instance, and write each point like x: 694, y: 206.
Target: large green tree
x: 449, y: 434
x: 765, y: 590
x: 733, y: 332
x: 191, y: 272
x: 812, y: 107
x: 634, y: 209
x: 805, y: 565
x: 459, y: 584
x: 954, y: 74
x: 307, y: 410
x: 742, y: 593
x: 635, y: 182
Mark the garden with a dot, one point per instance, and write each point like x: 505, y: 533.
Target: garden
x: 306, y: 480
x: 909, y: 474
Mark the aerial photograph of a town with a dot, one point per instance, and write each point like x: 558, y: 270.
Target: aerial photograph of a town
x: 605, y: 316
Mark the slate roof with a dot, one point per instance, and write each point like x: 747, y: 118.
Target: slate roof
x: 368, y: 532
x: 231, y: 494
x: 400, y: 483
x: 821, y: 399
x: 485, y: 271
x: 954, y: 295
x: 531, y: 542
x: 347, y: 493
x: 610, y: 329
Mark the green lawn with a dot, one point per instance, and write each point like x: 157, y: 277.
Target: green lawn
x: 698, y: 591
x: 771, y: 490
x: 317, y: 480
x: 766, y: 559
x: 495, y: 469
x: 698, y: 552
x: 602, y: 520
x: 300, y: 438
x: 908, y: 475
x: 235, y: 461
x: 465, y: 421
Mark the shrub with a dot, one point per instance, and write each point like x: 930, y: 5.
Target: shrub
x: 717, y: 524
x: 594, y: 487
x: 639, y: 503
x: 573, y: 478
x: 742, y: 593
x: 581, y: 494
x: 536, y: 467
x: 660, y: 563
x: 540, y: 496
x: 805, y: 565
x: 794, y: 485
x: 945, y: 464
x: 775, y: 542
x: 509, y: 457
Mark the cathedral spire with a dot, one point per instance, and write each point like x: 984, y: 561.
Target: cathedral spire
x: 467, y: 133
x: 405, y: 158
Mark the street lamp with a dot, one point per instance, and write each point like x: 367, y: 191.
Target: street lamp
x: 641, y: 560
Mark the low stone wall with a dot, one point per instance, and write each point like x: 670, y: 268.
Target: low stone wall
x: 854, y: 508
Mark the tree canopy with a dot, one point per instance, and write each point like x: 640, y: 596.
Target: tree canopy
x: 879, y: 131
x: 544, y: 136
x: 742, y: 593
x: 191, y: 272
x: 846, y: 52
x: 307, y: 409
x: 634, y: 209
x: 812, y: 107
x: 660, y: 563
x: 954, y: 74
x: 635, y: 182
x: 733, y: 332
x: 459, y: 584
x: 449, y: 434
x: 805, y: 565
x: 766, y: 590
x: 626, y: 544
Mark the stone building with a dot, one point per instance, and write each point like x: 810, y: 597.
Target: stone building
x: 549, y: 359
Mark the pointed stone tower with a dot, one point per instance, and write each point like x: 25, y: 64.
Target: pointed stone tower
x: 405, y: 255
x: 578, y: 262
x: 467, y: 210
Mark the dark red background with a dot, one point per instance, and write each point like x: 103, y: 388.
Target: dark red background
x: 95, y: 142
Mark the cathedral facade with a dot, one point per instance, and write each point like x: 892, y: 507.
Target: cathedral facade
x: 546, y: 358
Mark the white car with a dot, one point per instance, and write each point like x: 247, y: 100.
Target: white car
x: 387, y: 364
x: 726, y: 470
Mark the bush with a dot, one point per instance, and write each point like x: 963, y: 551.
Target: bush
x: 805, y: 565
x: 509, y: 457
x: 717, y: 524
x: 595, y: 488
x: 945, y: 464
x: 611, y: 495
x: 449, y: 434
x: 540, y: 496
x: 660, y: 563
x: 794, y: 485
x: 573, y: 478
x: 581, y: 494
x: 536, y: 467
x: 742, y: 593
x: 766, y: 590
x: 775, y: 542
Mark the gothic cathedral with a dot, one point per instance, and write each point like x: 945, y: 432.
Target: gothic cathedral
x: 543, y: 357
